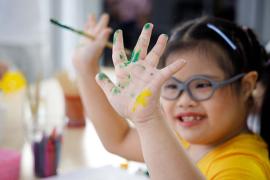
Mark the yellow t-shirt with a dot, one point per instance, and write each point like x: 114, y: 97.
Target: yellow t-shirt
x: 243, y: 157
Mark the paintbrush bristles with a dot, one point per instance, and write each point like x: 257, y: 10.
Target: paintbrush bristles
x: 89, y: 36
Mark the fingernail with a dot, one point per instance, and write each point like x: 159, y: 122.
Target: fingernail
x: 165, y: 35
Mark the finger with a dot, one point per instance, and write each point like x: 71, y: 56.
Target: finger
x: 103, y: 37
x: 140, y: 50
x: 168, y: 71
x: 91, y: 23
x: 105, y: 83
x: 156, y: 52
x: 118, y: 53
x: 102, y: 23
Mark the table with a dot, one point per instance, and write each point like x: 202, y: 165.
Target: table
x: 81, y: 146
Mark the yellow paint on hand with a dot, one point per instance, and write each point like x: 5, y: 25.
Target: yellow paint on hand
x: 141, y: 99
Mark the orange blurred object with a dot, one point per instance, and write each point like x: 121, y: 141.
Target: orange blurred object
x: 74, y: 111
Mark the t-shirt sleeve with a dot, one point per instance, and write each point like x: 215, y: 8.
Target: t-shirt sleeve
x: 236, y: 167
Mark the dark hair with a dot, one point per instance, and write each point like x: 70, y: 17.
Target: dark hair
x: 241, y: 51
x: 265, y: 115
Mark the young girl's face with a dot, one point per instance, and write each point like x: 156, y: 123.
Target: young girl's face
x: 210, y: 121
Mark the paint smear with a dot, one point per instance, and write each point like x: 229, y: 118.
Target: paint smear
x: 102, y: 76
x: 125, y: 83
x: 141, y: 99
x: 147, y: 26
x: 116, y: 90
x: 136, y: 56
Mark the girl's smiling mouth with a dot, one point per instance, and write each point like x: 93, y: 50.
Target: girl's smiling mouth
x: 189, y: 119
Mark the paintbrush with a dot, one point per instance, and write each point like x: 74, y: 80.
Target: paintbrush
x: 83, y: 33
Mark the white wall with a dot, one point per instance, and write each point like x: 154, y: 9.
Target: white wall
x: 24, y: 37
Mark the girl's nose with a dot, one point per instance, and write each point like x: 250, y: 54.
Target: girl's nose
x: 185, y: 101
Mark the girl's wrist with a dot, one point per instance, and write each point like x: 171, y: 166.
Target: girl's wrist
x: 144, y: 123
x: 83, y: 70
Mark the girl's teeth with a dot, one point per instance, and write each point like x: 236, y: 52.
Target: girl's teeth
x: 191, y: 118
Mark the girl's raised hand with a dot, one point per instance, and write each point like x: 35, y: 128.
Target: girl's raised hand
x: 136, y: 92
x: 88, y: 52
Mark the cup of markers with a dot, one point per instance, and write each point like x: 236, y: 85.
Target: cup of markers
x: 44, y: 131
x: 46, y: 153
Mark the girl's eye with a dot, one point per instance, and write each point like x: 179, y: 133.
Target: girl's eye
x: 202, y: 84
x: 171, y: 86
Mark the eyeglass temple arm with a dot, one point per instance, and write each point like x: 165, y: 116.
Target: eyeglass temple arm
x: 225, y: 82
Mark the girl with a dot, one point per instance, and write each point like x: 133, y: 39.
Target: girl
x: 205, y: 88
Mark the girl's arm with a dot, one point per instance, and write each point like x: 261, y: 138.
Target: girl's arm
x: 113, y: 130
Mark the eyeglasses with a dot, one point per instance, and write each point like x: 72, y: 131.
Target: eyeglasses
x: 199, y: 88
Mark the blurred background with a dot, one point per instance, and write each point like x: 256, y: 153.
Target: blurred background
x: 32, y: 44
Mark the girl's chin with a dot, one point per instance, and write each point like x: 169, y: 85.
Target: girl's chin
x: 190, y: 137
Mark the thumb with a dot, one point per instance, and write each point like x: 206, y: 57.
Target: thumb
x: 105, y: 83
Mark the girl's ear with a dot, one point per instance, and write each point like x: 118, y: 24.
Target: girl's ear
x: 249, y: 83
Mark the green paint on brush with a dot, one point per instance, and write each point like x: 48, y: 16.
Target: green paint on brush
x: 115, y: 90
x: 102, y: 76
x: 147, y: 26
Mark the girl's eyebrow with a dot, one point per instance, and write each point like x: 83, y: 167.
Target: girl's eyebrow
x: 210, y: 76
x: 213, y: 77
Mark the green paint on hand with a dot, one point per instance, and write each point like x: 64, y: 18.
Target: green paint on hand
x: 115, y: 90
x: 121, y: 56
x: 136, y: 56
x: 147, y: 26
x: 126, y: 63
x: 125, y: 83
x: 132, y: 55
x: 102, y: 76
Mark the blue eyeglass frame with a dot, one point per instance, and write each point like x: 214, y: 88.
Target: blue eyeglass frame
x: 184, y: 86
